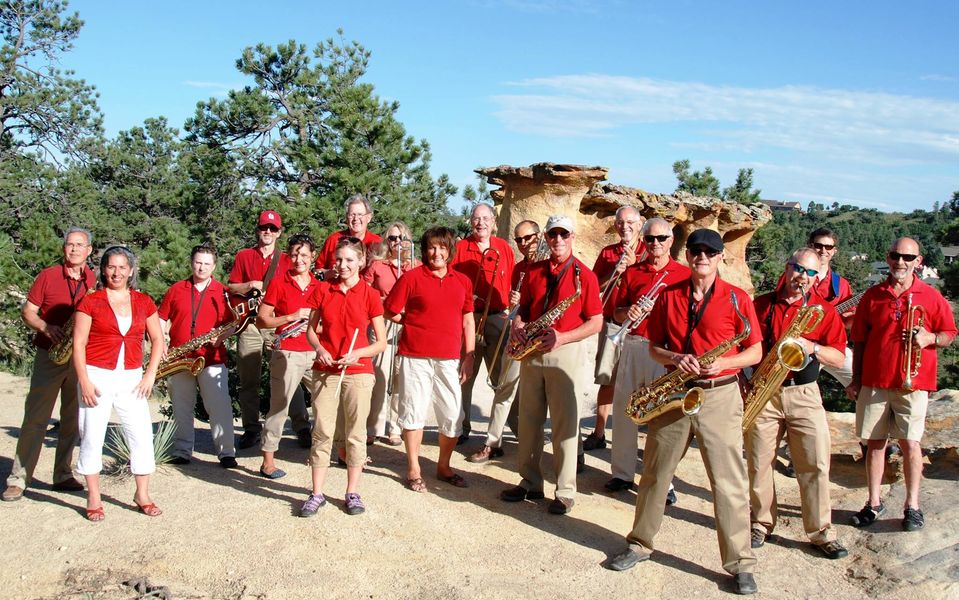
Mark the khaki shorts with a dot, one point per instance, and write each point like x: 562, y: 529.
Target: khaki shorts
x: 882, y: 414
x: 429, y: 381
x: 607, y: 356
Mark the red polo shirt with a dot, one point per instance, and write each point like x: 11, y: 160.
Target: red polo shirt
x: 719, y: 323
x: 533, y: 294
x: 251, y: 265
x: 381, y: 275
x: 829, y: 332
x: 103, y: 344
x: 610, y: 255
x: 286, y: 297
x: 179, y: 305
x: 327, y: 256
x: 57, y: 295
x: 467, y: 260
x: 637, y: 281
x: 823, y: 288
x: 520, y: 267
x: 879, y: 323
x: 342, y: 313
x: 433, y: 323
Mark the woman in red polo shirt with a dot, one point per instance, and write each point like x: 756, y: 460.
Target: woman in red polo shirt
x: 343, y: 310
x: 108, y: 357
x: 286, y: 308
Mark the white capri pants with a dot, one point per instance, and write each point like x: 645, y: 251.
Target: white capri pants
x: 116, y: 392
x: 425, y: 381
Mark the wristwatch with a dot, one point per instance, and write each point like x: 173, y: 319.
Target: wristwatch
x: 815, y: 349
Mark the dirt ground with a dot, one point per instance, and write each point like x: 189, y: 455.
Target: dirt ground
x: 234, y: 534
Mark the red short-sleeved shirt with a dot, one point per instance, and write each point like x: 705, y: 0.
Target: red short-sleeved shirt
x: 103, y: 345
x: 342, y: 313
x: 381, y: 276
x: 467, y: 259
x: 433, y: 323
x: 57, y: 295
x: 212, y: 310
x: 251, y: 265
x: 829, y: 332
x: 637, y: 281
x: 286, y: 297
x: 327, y: 256
x: 520, y: 267
x: 879, y: 323
x: 610, y: 255
x: 719, y: 323
x: 823, y: 288
x: 533, y: 294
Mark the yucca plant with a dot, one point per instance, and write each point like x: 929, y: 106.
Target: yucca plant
x: 116, y: 445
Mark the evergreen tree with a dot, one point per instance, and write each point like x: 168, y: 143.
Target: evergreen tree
x: 742, y: 191
x: 697, y: 183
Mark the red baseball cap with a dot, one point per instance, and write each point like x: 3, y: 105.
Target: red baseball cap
x: 270, y: 217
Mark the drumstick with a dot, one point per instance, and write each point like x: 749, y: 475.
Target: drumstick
x: 343, y: 368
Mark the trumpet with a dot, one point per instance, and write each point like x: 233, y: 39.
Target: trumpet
x: 646, y: 299
x: 911, y: 353
x: 613, y: 281
x: 481, y: 324
x: 295, y: 329
x: 502, y: 336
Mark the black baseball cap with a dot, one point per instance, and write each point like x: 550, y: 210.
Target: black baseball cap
x: 706, y: 238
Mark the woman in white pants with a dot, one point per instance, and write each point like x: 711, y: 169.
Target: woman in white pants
x: 108, y: 356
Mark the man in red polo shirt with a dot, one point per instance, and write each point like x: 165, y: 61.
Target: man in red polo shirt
x: 359, y: 213
x: 894, y: 369
x: 796, y: 410
x: 253, y: 269
x: 51, y: 301
x: 834, y: 289
x: 547, y: 380
x: 688, y: 320
x: 191, y: 308
x: 487, y: 261
x: 641, y: 285
x: 610, y: 264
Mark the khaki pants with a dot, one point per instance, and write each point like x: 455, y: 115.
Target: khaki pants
x: 287, y: 370
x: 349, y: 411
x: 501, y: 412
x: 550, y: 382
x: 46, y: 383
x: 718, y: 431
x: 796, y: 411
x: 249, y: 361
x: 636, y: 369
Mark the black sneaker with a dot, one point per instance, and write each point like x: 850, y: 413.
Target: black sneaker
x: 757, y: 538
x: 868, y: 515
x: 178, y: 461
x: 594, y: 442
x: 671, y: 497
x: 248, y: 440
x: 228, y: 462
x: 912, y: 520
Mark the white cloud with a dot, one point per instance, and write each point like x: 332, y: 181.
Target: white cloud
x: 938, y: 77
x: 217, y: 88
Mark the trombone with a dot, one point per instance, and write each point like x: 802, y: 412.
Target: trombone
x: 607, y: 291
x: 481, y: 324
x: 495, y: 385
x: 911, y: 353
x: 404, y: 262
x: 646, y: 299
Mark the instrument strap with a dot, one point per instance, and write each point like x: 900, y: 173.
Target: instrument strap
x: 693, y: 316
x: 272, y: 270
x: 81, y: 283
x: 195, y: 306
x: 552, y: 281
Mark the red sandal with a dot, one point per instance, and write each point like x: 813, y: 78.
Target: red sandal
x: 150, y: 510
x: 95, y: 515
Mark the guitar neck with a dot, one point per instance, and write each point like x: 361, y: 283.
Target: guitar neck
x: 847, y: 305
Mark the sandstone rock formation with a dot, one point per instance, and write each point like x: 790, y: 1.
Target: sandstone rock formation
x: 543, y: 189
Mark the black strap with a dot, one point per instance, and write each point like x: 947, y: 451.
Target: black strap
x: 81, y: 283
x: 552, y: 281
x: 693, y: 316
x: 196, y: 306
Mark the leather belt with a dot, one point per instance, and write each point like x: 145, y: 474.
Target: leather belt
x: 708, y: 384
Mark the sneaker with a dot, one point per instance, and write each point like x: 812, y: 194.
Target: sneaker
x: 671, y: 497
x: 744, y: 584
x: 228, y: 462
x: 312, y: 504
x: 757, y: 538
x: 832, y: 550
x: 790, y: 470
x: 912, y: 520
x: 12, y: 493
x: 594, y: 442
x: 868, y: 515
x: 354, y: 504
x: 248, y: 440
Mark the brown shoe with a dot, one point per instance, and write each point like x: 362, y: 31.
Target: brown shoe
x: 12, y: 493
x: 68, y: 485
x: 560, y: 505
x: 484, y: 454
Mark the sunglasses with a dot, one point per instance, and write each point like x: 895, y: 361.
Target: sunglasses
x: 272, y: 228
x: 649, y: 239
x: 694, y: 252
x: 525, y: 239
x: 554, y: 233
x: 895, y: 256
x: 818, y: 246
x: 395, y: 238
x: 801, y: 269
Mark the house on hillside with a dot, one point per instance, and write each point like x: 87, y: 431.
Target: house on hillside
x: 780, y: 206
x: 949, y: 253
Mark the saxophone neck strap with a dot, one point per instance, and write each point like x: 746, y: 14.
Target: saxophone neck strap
x: 195, y: 305
x: 694, y: 315
x: 552, y: 281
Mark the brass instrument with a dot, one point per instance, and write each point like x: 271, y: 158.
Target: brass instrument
x: 911, y: 353
x: 502, y: 336
x: 538, y: 328
x: 787, y: 355
x: 667, y: 392
x: 481, y: 324
x: 295, y: 329
x: 613, y: 281
x: 630, y: 324
x: 541, y: 251
x: 61, y: 352
x: 394, y: 329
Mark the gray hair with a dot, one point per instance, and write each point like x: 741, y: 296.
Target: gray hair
x: 73, y: 230
x: 623, y: 209
x: 358, y: 199
x: 131, y: 260
x: 804, y: 252
x: 656, y: 221
x: 488, y: 207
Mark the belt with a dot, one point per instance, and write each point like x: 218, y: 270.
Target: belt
x: 708, y: 384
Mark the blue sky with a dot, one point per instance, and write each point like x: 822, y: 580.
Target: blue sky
x: 850, y: 102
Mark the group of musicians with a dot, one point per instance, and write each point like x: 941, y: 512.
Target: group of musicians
x: 362, y: 312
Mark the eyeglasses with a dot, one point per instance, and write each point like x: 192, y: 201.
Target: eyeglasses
x: 694, y: 252
x: 801, y: 269
x: 395, y: 238
x: 354, y: 216
x: 483, y: 219
x: 554, y: 233
x: 72, y: 246
x: 525, y: 239
x: 272, y: 228
x: 649, y: 239
x: 895, y: 256
x: 818, y: 246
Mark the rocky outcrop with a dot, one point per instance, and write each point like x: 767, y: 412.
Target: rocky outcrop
x: 543, y: 189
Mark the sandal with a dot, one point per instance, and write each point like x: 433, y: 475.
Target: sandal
x: 393, y: 440
x: 454, y: 480
x: 417, y: 484
x: 150, y: 510
x: 868, y: 515
x: 95, y: 514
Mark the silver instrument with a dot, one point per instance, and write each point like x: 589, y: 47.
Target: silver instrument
x: 630, y: 324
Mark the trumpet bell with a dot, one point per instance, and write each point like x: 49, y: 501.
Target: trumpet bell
x: 617, y: 337
x: 792, y: 355
x: 693, y: 401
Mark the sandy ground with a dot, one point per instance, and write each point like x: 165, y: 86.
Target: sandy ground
x: 234, y: 534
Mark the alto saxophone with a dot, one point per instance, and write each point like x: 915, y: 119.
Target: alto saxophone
x: 668, y: 391
x: 537, y: 329
x: 61, y: 352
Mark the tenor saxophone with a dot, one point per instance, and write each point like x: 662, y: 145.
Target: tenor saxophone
x: 537, y: 329
x: 61, y: 352
x: 668, y: 391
